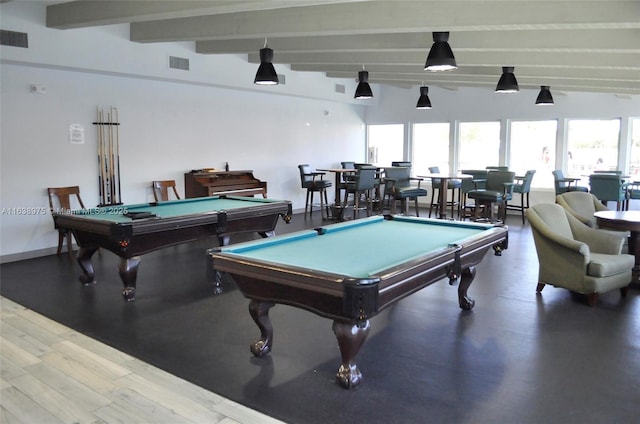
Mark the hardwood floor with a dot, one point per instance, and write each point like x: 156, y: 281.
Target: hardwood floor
x: 52, y: 374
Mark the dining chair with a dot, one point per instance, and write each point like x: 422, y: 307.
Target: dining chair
x: 609, y: 187
x: 161, y: 190
x: 314, y: 182
x: 399, y: 186
x: 522, y: 187
x: 364, y: 184
x: 562, y: 184
x: 498, y: 191
x: 60, y: 199
x: 478, y: 181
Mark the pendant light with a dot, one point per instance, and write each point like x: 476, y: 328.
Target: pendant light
x: 363, y: 90
x: 507, y: 82
x: 544, y: 97
x: 266, y: 74
x: 423, y: 100
x: 440, y: 56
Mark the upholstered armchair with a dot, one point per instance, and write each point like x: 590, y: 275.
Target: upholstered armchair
x: 498, y: 190
x: 582, y: 206
x: 576, y: 257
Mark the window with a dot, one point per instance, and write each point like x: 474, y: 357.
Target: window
x: 430, y: 147
x: 385, y: 144
x: 592, y: 145
x: 479, y: 145
x: 533, y: 146
x: 634, y: 167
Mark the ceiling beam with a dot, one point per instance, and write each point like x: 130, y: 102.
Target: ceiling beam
x: 392, y: 17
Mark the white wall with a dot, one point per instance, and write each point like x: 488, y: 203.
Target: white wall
x: 171, y: 121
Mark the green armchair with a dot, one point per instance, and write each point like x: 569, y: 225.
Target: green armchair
x: 582, y: 206
x: 498, y: 190
x: 576, y: 257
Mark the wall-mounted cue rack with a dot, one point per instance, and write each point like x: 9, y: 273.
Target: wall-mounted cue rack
x: 108, y: 156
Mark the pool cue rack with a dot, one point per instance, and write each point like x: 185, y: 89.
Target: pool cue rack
x: 108, y: 138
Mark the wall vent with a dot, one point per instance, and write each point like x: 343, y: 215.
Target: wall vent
x: 340, y: 88
x: 14, y: 38
x: 282, y: 79
x: 178, y: 63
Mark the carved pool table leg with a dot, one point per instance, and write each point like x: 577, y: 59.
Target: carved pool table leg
x: 350, y: 337
x: 84, y: 260
x: 468, y: 274
x: 128, y: 270
x: 260, y: 313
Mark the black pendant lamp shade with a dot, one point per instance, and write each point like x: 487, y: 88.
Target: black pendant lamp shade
x: 544, y: 97
x: 440, y: 56
x: 266, y: 74
x: 507, y: 82
x: 363, y: 90
x: 423, y: 100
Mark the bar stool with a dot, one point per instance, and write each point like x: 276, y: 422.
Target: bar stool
x: 308, y: 181
x: 436, y: 185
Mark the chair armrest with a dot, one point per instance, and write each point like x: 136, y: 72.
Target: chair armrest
x: 418, y: 179
x: 478, y: 181
x: 317, y: 174
x: 599, y: 241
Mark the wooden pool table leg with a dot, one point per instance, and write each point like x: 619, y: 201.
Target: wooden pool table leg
x: 84, y: 260
x: 466, y: 278
x: 351, y: 337
x: 260, y: 313
x: 128, y: 270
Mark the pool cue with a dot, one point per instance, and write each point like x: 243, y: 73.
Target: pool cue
x: 100, y: 158
x: 110, y: 159
x: 118, y: 152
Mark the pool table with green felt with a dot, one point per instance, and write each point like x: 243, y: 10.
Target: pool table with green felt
x: 348, y: 272
x: 168, y: 223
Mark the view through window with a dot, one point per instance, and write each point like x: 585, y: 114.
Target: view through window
x: 634, y: 167
x: 385, y: 144
x: 430, y: 147
x: 592, y: 145
x: 479, y: 145
x: 533, y: 146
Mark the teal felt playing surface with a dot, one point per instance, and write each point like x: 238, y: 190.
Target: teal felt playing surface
x: 172, y: 208
x: 360, y: 248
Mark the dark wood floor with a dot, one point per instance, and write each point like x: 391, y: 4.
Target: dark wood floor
x: 516, y: 358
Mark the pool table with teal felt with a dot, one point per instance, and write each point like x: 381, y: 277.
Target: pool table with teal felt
x: 132, y: 230
x: 348, y: 272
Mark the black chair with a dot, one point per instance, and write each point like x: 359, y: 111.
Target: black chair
x: 499, y: 190
x: 398, y: 185
x: 363, y: 184
x: 562, y: 184
x: 523, y: 187
x: 314, y: 182
x: 60, y: 201
x: 436, y: 185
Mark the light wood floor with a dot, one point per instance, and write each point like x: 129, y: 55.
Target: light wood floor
x: 52, y: 374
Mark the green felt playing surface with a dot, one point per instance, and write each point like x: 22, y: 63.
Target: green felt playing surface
x: 360, y: 248
x: 173, y: 208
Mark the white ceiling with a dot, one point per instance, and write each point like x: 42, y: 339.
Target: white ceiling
x: 569, y: 45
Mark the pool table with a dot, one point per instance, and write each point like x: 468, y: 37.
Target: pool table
x: 348, y: 272
x: 132, y: 230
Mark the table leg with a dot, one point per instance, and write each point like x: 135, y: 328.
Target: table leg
x: 84, y: 260
x: 351, y: 337
x: 260, y: 313
x: 466, y: 278
x: 442, y: 207
x: 128, y: 270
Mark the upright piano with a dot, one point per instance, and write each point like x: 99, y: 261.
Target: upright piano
x: 204, y: 183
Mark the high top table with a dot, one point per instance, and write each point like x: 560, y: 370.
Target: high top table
x: 444, y: 183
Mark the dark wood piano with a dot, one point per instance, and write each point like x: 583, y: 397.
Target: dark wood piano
x: 216, y: 183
